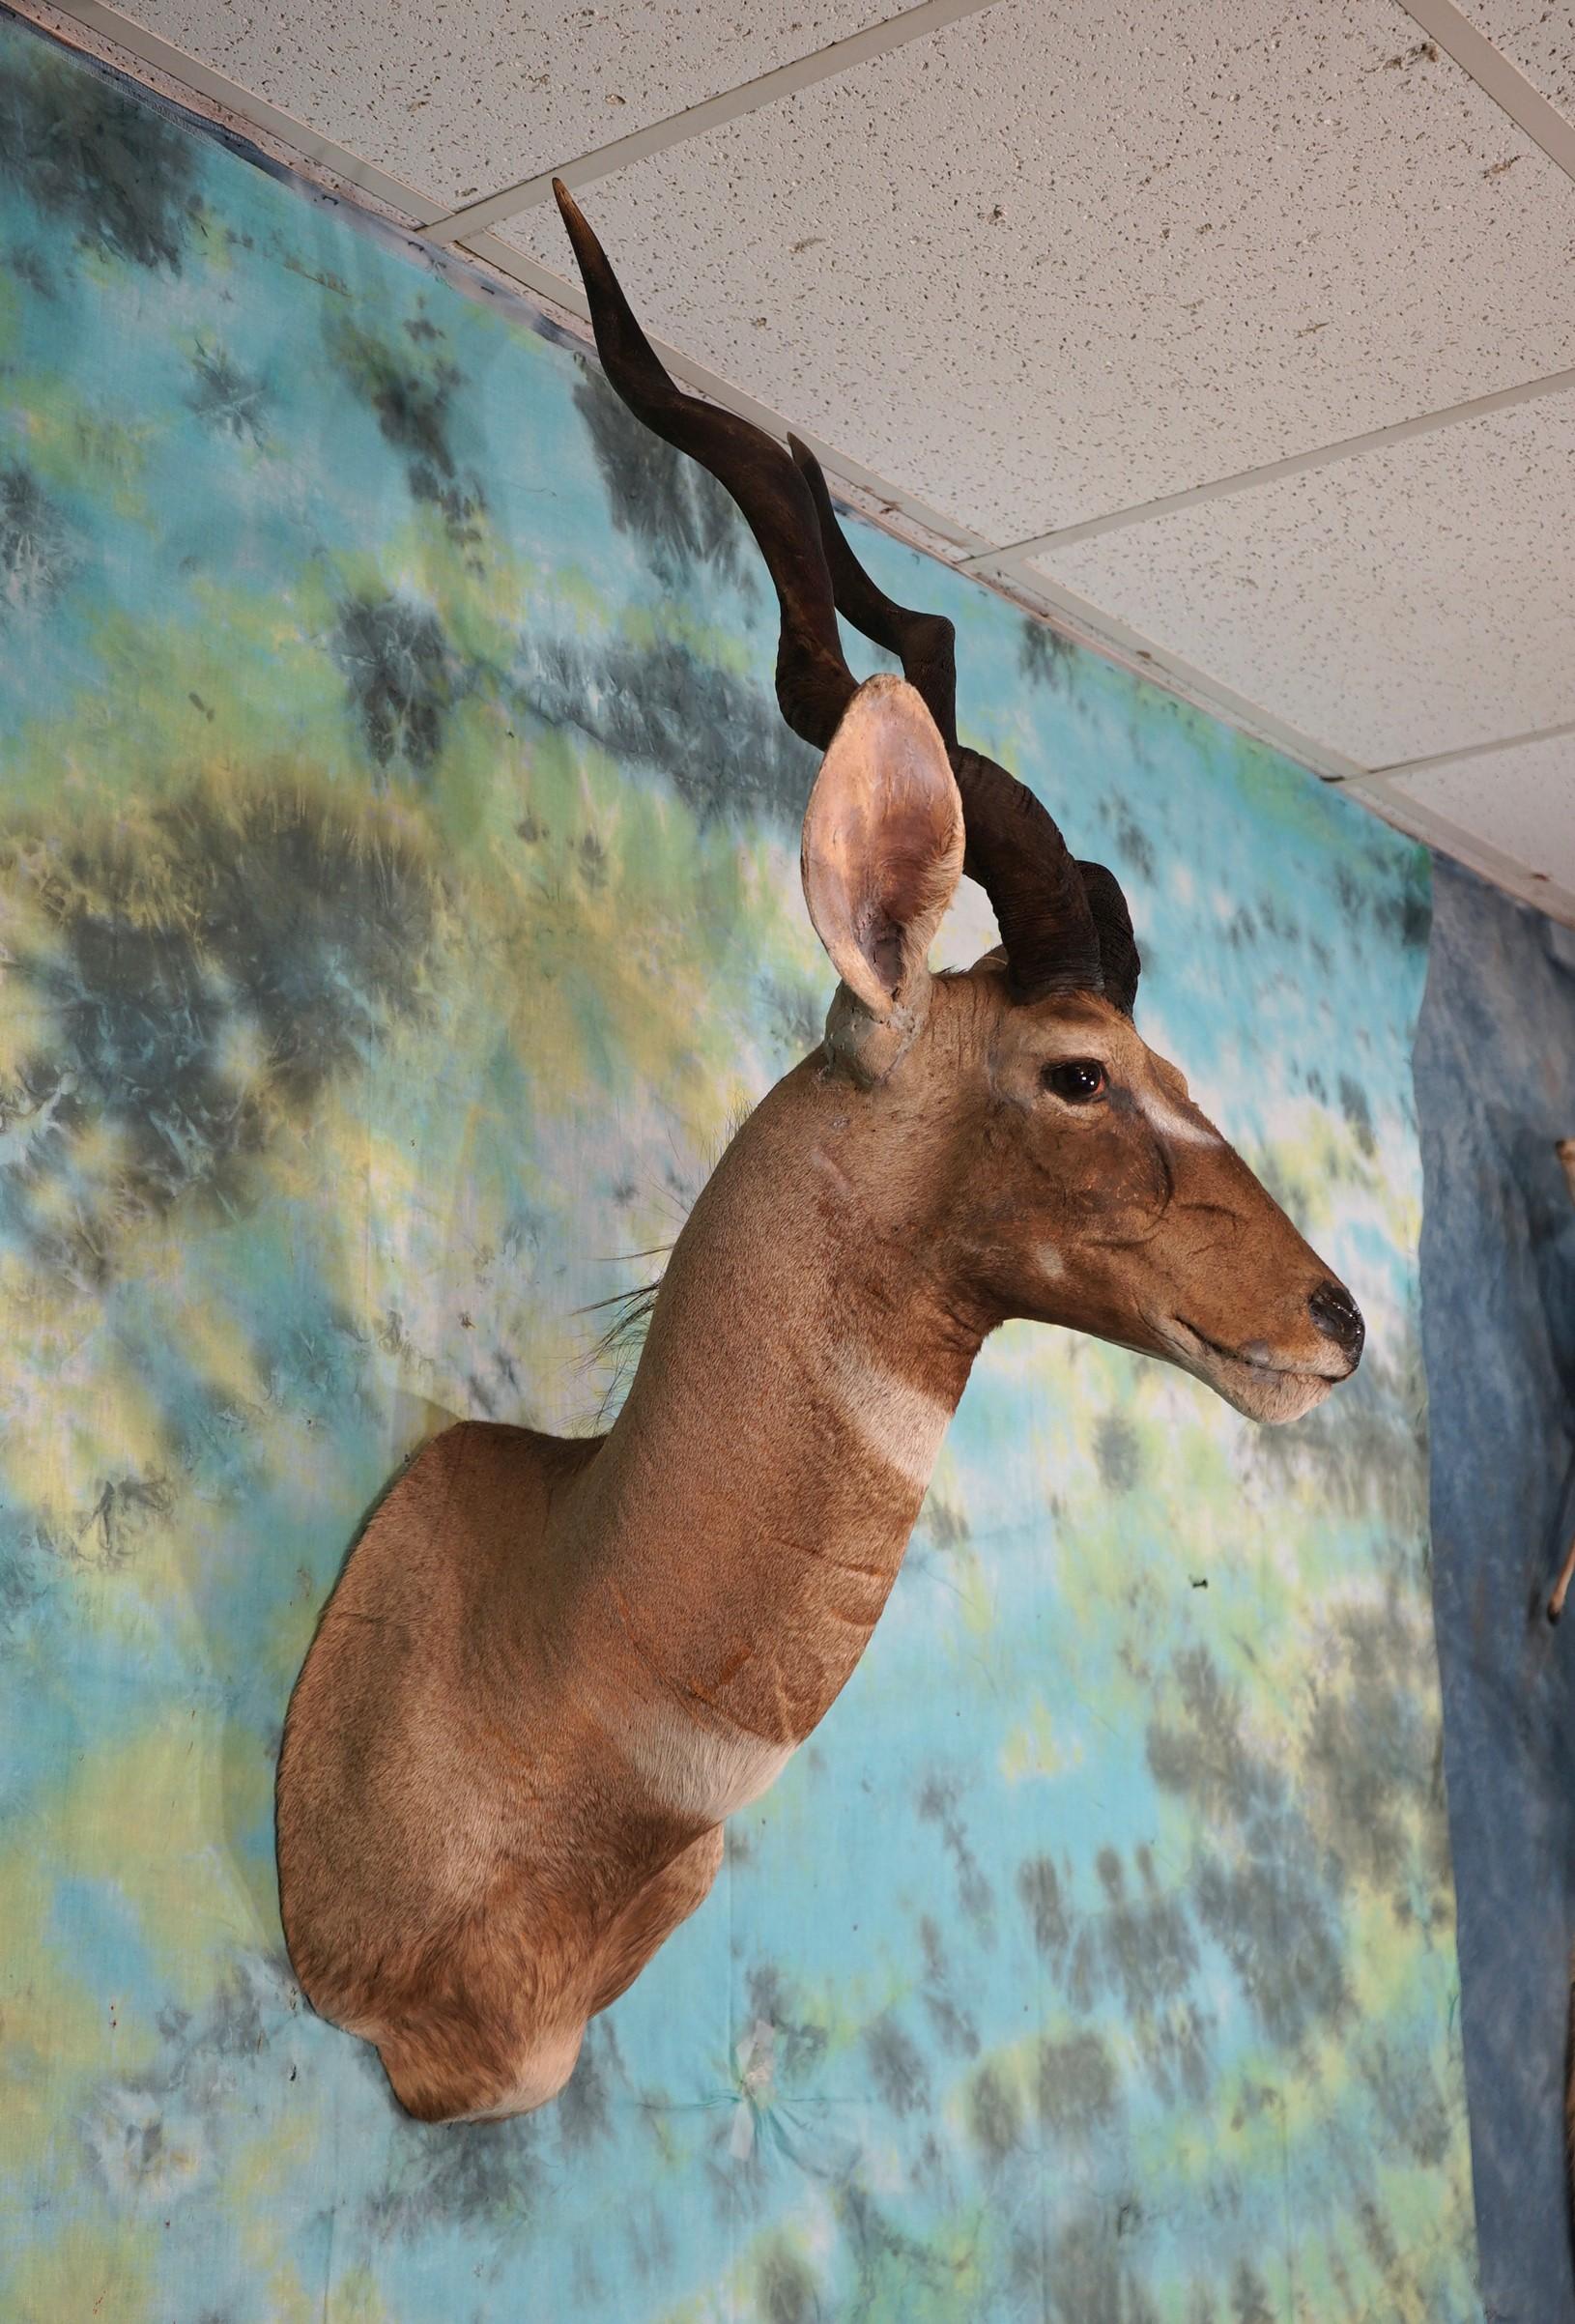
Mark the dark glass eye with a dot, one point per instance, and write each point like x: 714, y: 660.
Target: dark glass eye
x: 1076, y: 1081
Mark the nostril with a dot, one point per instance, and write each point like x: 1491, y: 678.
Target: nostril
x: 1338, y: 1317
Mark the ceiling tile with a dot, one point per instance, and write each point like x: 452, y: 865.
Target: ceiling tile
x: 1538, y: 39
x: 460, y: 102
x: 1518, y: 801
x: 1415, y: 600
x: 1055, y: 261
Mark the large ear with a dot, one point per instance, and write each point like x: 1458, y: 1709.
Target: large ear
x: 882, y: 849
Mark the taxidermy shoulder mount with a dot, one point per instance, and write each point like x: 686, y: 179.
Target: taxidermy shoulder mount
x: 553, y: 1667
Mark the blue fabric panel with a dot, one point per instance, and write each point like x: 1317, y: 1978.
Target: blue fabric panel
x: 1495, y: 1089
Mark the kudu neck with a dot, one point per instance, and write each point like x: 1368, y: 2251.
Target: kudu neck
x: 759, y: 1489
x: 817, y: 1235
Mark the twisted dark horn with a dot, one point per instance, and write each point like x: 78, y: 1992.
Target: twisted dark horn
x: 1013, y: 849
x: 814, y: 682
x: 924, y: 644
x: 1065, y: 925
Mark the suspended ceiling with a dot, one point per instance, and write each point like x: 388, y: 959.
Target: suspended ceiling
x: 1239, y: 339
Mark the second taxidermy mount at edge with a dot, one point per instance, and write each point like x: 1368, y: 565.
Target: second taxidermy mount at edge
x: 552, y: 1665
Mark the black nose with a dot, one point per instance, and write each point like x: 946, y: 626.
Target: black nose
x: 1338, y: 1317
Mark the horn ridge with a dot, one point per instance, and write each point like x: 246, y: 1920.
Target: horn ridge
x: 1121, y: 962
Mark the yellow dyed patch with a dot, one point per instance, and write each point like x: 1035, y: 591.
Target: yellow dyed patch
x: 1033, y: 1748
x: 356, y: 2300
x: 89, y: 2276
x: 187, y: 1893
x: 56, y: 2036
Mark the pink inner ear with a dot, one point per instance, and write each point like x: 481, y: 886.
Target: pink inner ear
x: 879, y: 937
x: 914, y: 857
x: 882, y: 841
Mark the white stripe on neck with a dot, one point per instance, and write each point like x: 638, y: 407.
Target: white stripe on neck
x: 700, y: 1770
x: 901, y: 1423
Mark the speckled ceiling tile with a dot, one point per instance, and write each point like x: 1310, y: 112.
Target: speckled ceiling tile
x: 1415, y: 600
x: 1521, y: 801
x: 460, y: 102
x: 1538, y: 38
x: 1050, y: 262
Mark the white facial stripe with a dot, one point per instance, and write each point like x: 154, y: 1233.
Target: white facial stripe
x: 900, y: 1424
x: 1049, y: 1260
x: 1181, y: 1129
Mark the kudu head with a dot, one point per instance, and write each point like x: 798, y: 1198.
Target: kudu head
x: 1072, y: 1179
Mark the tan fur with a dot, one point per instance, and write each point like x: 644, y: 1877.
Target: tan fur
x: 552, y: 1668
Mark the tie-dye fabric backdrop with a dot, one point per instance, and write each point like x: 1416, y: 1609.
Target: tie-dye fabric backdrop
x: 399, y: 898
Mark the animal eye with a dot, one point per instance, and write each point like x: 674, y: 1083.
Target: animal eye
x: 1078, y: 1081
